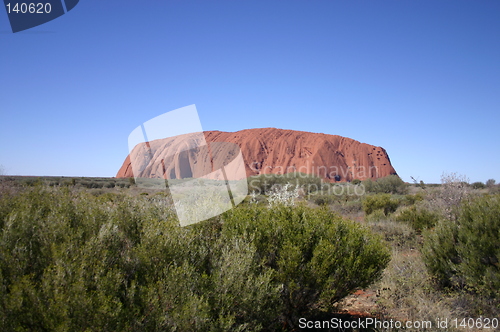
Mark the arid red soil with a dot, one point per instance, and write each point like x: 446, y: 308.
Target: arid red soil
x: 270, y: 150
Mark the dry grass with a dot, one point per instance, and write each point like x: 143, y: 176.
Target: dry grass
x: 407, y: 291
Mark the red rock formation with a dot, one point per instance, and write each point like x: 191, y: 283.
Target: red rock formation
x: 277, y: 151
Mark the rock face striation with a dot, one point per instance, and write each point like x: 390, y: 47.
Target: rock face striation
x: 267, y: 151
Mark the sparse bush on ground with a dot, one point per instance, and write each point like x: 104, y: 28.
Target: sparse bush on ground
x: 356, y: 181
x: 419, y: 218
x: 398, y: 235
x: 311, y: 250
x: 453, y: 190
x: 376, y: 215
x: 413, y: 199
x: 391, y: 184
x: 347, y: 208
x: 382, y: 202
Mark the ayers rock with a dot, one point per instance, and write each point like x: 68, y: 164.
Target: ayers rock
x: 270, y: 150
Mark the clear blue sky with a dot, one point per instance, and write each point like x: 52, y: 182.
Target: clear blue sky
x: 419, y: 78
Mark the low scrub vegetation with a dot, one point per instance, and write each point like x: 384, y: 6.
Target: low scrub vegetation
x: 419, y: 218
x: 383, y: 202
x: 78, y: 256
x: 391, y: 184
x: 73, y: 261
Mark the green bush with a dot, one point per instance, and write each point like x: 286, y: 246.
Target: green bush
x: 383, y: 202
x: 348, y: 207
x: 75, y: 262
x: 478, y: 185
x: 419, y: 218
x: 317, y: 257
x: 467, y: 252
x: 412, y: 199
x: 391, y: 184
x: 356, y: 181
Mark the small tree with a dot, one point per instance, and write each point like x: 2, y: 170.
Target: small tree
x: 356, y: 181
x: 380, y: 202
x: 454, y: 189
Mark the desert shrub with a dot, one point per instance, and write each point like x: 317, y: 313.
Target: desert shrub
x: 356, y: 181
x: 94, y: 185
x: 370, y: 185
x: 466, y: 252
x: 376, y: 215
x: 205, y: 281
x: 412, y: 199
x: 391, y: 184
x: 478, y: 185
x: 66, y: 183
x: 97, y: 192
x: 382, y: 202
x: 316, y: 256
x: 32, y: 182
x: 262, y: 184
x: 110, y: 184
x: 308, y: 182
x: 418, y: 217
x: 86, y: 184
x: 321, y: 199
x: 109, y: 197
x: 348, y: 207
x: 490, y: 182
x: 454, y: 189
